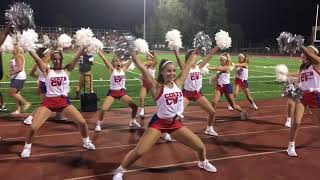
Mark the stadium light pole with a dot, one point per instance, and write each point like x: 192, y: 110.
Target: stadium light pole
x: 316, y: 25
x: 144, y: 19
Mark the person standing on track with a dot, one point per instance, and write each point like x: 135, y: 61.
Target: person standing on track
x: 117, y: 90
x: 192, y: 88
x: 166, y: 91
x: 56, y: 100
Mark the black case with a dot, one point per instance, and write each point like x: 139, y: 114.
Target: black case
x: 88, y: 100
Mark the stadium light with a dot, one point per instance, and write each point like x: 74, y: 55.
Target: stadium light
x: 144, y: 19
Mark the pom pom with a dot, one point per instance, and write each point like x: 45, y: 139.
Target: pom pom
x: 204, y: 70
x: 96, y: 45
x: 27, y: 40
x: 173, y: 38
x: 131, y: 66
x: 7, y: 44
x: 292, y: 91
x: 283, y: 40
x: 20, y: 16
x: 64, y: 40
x: 141, y: 46
x: 282, y: 73
x: 83, y: 37
x: 46, y: 40
x: 213, y: 80
x: 295, y: 44
x: 223, y: 39
x: 203, y: 42
x: 124, y: 47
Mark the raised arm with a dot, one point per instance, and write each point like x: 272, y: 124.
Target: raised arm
x: 185, y: 71
x: 42, y: 66
x: 4, y: 33
x: 150, y: 80
x: 105, y: 60
x: 70, y: 66
x: 127, y: 64
x: 312, y: 57
x: 180, y: 63
x: 33, y: 71
x: 219, y: 68
x: 209, y: 56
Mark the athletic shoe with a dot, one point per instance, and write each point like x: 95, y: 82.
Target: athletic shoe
x: 3, y: 108
x: 210, y: 131
x: 98, y: 128
x: 16, y: 112
x: 230, y: 108
x: 254, y: 106
x: 134, y: 123
x: 288, y: 123
x: 141, y: 113
x: 118, y: 174
x: 28, y: 120
x: 292, y: 151
x: 89, y: 145
x: 207, y: 166
x: 167, y: 137
x: 26, y: 151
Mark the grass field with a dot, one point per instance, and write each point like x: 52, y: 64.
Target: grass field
x: 261, y: 80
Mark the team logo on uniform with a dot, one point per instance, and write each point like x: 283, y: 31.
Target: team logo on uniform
x: 172, y: 98
x: 57, y: 81
x: 305, y: 76
x: 118, y: 79
x: 195, y: 75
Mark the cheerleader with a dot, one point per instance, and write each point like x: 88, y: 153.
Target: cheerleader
x: 241, y: 80
x: 56, y: 100
x: 169, y: 99
x: 192, y: 88
x: 150, y: 65
x: 309, y: 82
x: 18, y: 76
x: 223, y: 84
x: 117, y: 90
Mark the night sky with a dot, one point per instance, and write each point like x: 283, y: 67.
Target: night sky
x: 260, y: 19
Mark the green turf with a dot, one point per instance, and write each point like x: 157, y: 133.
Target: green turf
x: 261, y: 80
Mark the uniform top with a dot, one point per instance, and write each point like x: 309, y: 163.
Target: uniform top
x: 310, y: 79
x: 169, y: 102
x: 117, y: 80
x: 85, y: 62
x: 14, y: 67
x: 57, y: 83
x: 242, y: 73
x: 194, y: 80
x: 40, y: 74
x: 223, y: 78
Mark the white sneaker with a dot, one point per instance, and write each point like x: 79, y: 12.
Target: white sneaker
x: 16, y: 112
x: 141, y: 113
x: 230, y: 108
x: 134, y: 123
x: 118, y: 175
x: 167, y: 137
x: 98, y: 128
x: 28, y: 120
x: 26, y: 151
x: 243, y: 115
x: 210, y: 131
x: 254, y: 106
x: 292, y: 151
x: 288, y: 123
x: 89, y: 145
x: 207, y: 166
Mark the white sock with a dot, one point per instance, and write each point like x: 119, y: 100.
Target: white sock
x: 291, y: 143
x: 26, y: 145
x: 133, y: 120
x: 85, y: 140
x: 209, y: 127
x: 120, y: 169
x: 99, y: 123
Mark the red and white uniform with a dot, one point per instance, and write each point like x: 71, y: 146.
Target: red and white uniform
x: 152, y: 71
x: 117, y: 84
x: 169, y: 110
x: 223, y: 83
x: 310, y: 84
x: 193, y: 84
x: 57, y: 83
x: 242, y: 77
x: 42, y: 89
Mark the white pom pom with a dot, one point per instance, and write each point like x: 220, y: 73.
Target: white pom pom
x: 27, y: 41
x: 46, y: 40
x: 141, y: 45
x: 7, y: 44
x: 173, y: 38
x: 64, y: 40
x: 95, y: 46
x: 223, y: 39
x: 83, y: 37
x: 282, y: 72
x: 204, y: 70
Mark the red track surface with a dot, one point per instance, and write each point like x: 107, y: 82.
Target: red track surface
x: 248, y: 150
